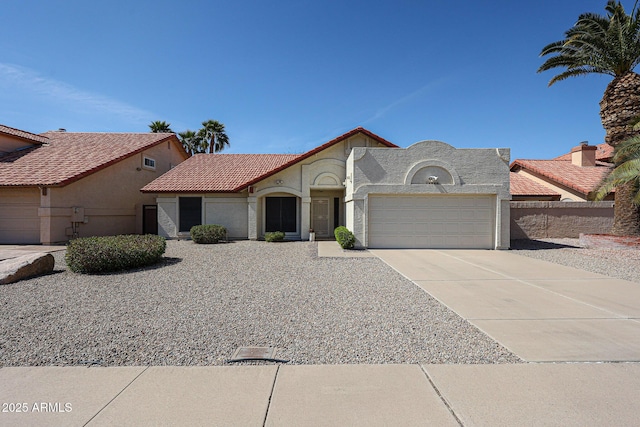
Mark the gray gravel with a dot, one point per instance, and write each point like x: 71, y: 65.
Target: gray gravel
x: 619, y: 263
x: 204, y: 301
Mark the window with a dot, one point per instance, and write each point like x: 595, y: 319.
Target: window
x: 190, y: 212
x: 148, y: 163
x: 281, y: 214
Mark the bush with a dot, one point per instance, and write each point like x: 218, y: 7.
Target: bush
x: 209, y: 233
x: 114, y: 253
x: 274, y: 236
x: 345, y: 238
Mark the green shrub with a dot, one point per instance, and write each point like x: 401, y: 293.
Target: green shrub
x: 208, y: 233
x: 114, y: 253
x: 345, y: 238
x: 274, y: 236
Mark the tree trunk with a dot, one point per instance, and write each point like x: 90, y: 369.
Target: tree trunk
x: 620, y: 104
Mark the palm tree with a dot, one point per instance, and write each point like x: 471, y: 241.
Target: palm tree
x: 609, y: 45
x: 160, y: 127
x: 627, y: 171
x: 190, y: 141
x: 214, y: 138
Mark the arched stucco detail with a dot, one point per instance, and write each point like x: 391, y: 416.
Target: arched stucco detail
x: 432, y: 144
x: 281, y: 190
x: 324, y: 173
x: 433, y: 163
x: 327, y: 179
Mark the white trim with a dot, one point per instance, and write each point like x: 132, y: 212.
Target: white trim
x: 148, y: 163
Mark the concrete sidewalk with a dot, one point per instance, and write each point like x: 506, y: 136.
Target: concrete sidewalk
x: 323, y: 395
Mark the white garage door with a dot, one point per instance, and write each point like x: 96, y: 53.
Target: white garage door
x: 432, y: 221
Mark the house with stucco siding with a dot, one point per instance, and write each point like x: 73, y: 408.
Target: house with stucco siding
x: 429, y: 195
x: 58, y: 185
x: 571, y: 177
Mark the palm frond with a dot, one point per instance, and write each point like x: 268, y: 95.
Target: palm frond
x: 597, y: 44
x: 627, y: 158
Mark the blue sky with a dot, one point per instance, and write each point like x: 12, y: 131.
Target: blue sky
x: 286, y: 76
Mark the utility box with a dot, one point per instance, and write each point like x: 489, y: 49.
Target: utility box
x: 77, y: 214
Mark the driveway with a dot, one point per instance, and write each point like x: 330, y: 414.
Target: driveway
x: 14, y: 251
x: 541, y: 311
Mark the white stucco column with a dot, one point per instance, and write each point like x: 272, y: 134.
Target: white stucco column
x: 305, y: 218
x: 252, y: 217
x: 167, y: 216
x: 356, y: 221
x: 503, y: 226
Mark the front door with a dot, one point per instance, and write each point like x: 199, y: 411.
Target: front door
x: 150, y: 219
x: 320, y: 217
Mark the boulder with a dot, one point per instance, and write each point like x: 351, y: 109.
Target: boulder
x: 25, y: 266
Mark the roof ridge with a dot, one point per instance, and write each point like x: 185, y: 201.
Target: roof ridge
x: 19, y: 130
x: 16, y: 132
x: 59, y: 132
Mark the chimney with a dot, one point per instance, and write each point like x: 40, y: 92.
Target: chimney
x: 584, y: 155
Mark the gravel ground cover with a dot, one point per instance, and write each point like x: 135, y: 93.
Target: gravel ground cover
x: 204, y: 301
x: 619, y: 263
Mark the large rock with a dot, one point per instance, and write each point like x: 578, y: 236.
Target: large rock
x: 25, y: 266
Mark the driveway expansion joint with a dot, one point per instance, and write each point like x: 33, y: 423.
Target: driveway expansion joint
x: 442, y: 398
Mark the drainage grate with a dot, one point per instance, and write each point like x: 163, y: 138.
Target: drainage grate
x: 243, y: 354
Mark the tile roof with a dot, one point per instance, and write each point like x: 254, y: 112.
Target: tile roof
x: 230, y: 173
x: 23, y: 134
x: 69, y: 156
x: 523, y: 186
x: 582, y: 179
x: 218, y: 173
x: 604, y: 152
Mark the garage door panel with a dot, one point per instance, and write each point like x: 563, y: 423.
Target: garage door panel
x: 431, y: 221
x: 19, y: 224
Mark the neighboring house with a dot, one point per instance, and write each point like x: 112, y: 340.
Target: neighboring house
x: 571, y: 177
x: 58, y: 184
x: 526, y: 189
x: 429, y: 195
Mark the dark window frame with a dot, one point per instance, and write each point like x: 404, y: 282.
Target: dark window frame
x: 190, y: 213
x: 281, y: 214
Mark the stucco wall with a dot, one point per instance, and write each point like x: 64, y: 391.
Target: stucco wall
x: 9, y: 143
x: 405, y: 172
x: 110, y: 198
x: 533, y: 220
x: 19, y: 221
x: 231, y: 211
x: 167, y: 216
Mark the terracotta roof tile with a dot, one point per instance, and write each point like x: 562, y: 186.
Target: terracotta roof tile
x: 582, y: 179
x: 69, y: 156
x: 215, y: 173
x: 23, y: 134
x: 235, y: 172
x: 523, y: 186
